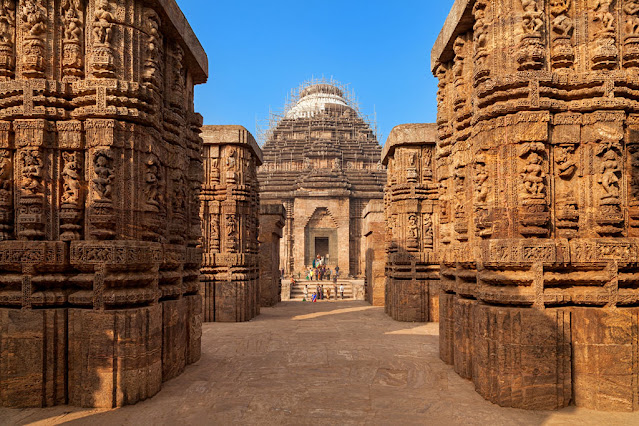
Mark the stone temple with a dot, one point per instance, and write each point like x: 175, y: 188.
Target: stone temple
x: 322, y: 161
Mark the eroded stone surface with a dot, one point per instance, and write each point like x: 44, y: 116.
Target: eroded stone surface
x: 321, y: 363
x: 272, y: 220
x: 539, y: 223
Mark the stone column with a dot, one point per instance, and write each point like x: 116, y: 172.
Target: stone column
x: 537, y: 164
x: 98, y: 302
x: 272, y: 220
x: 230, y: 221
x: 412, y: 281
x: 373, y: 252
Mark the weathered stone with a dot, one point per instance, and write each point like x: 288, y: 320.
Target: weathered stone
x: 321, y: 160
x: 410, y: 198
x: 272, y: 220
x: 537, y: 164
x: 230, y: 222
x: 373, y: 232
x: 100, y: 167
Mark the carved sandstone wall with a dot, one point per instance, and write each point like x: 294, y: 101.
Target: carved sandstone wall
x: 230, y: 221
x: 412, y: 265
x: 272, y: 220
x: 538, y: 165
x: 99, y: 151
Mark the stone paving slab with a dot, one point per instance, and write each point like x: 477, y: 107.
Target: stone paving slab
x: 315, y: 364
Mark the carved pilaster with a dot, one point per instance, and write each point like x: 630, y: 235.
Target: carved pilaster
x: 561, y: 30
x: 605, y: 53
x: 101, y: 173
x: 7, y: 39
x: 103, y: 28
x: 531, y: 55
x: 33, y: 25
x: 72, y: 42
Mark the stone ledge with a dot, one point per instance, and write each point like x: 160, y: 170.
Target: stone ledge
x: 231, y: 134
x: 409, y: 134
x: 173, y: 15
x: 459, y: 20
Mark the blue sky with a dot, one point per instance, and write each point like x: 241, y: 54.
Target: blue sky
x: 259, y: 50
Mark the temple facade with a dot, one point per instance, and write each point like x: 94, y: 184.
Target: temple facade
x: 322, y: 161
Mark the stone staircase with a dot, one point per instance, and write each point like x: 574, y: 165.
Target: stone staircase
x: 297, y: 290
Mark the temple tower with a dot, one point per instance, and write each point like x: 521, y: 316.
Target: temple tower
x: 322, y: 161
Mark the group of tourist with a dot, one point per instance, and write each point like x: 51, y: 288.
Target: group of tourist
x: 322, y: 293
x: 320, y: 271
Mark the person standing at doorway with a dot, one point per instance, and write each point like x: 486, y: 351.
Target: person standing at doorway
x: 318, y: 289
x: 341, y: 290
x: 337, y: 271
x: 328, y: 293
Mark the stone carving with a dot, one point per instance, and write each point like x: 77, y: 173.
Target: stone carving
x: 86, y: 251
x: 103, y: 175
x: 33, y: 18
x: 231, y: 270
x: 152, y: 180
x: 6, y: 195
x: 605, y: 51
x: 152, y: 73
x: 103, y: 28
x: 562, y: 27
x: 531, y: 52
x: 71, y: 203
x: 411, y: 225
x: 31, y: 182
x: 72, y: 62
x: 7, y: 38
x: 549, y: 144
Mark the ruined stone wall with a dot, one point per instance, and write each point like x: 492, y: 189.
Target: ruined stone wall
x: 230, y: 223
x: 272, y: 220
x: 538, y: 165
x: 374, y: 253
x: 100, y: 167
x: 412, y: 247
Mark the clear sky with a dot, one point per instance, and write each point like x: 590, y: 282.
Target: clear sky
x: 259, y: 50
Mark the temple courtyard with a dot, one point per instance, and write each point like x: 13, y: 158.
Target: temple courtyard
x: 316, y: 363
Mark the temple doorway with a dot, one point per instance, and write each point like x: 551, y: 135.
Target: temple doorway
x: 322, y: 247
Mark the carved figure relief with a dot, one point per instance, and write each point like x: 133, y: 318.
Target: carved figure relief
x: 6, y: 195
x: 31, y: 172
x: 152, y: 184
x: 563, y: 158
x: 7, y: 36
x: 609, y: 179
x: 33, y: 17
x: 631, y: 28
x: 71, y: 177
x: 103, y: 175
x: 481, y: 182
x: 103, y: 27
x: 103, y: 22
x: 153, y: 49
x: 531, y: 50
x: 72, y: 43
x: 605, y: 52
x: 562, y: 27
x: 428, y: 232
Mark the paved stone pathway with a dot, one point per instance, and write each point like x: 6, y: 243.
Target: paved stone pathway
x: 317, y: 363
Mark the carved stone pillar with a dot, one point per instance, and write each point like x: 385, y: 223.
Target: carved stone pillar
x: 230, y: 220
x: 412, y: 285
